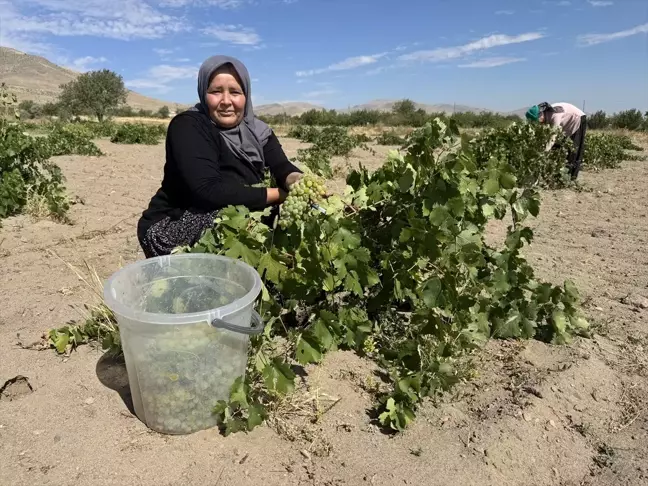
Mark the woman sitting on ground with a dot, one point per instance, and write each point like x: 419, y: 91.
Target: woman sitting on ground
x: 573, y: 123
x: 215, y: 152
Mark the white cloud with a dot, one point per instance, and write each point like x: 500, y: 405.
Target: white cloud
x: 381, y: 69
x: 164, y: 52
x: 121, y: 19
x: 234, y: 34
x: 348, y: 63
x: 561, y: 3
x: 446, y: 53
x: 491, y: 62
x: 173, y: 73
x: 166, y: 55
x: 158, y: 78
x: 322, y: 93
x: 599, y: 3
x: 82, y: 64
x: 504, y: 12
x: 24, y: 43
x: 376, y: 71
x: 593, y: 39
x: 224, y: 4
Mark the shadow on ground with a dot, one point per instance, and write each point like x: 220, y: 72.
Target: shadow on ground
x: 112, y: 374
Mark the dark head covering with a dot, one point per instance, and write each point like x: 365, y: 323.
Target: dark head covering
x: 247, y: 139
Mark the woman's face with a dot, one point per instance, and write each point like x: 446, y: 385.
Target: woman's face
x: 541, y: 118
x: 225, y: 98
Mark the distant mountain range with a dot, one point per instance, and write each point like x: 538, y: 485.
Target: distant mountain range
x: 297, y: 108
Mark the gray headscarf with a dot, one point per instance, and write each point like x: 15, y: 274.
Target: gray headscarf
x: 247, y: 139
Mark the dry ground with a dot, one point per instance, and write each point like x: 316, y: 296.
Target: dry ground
x: 536, y: 415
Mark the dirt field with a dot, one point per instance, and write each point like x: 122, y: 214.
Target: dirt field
x: 536, y: 415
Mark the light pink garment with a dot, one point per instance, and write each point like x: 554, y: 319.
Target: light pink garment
x: 569, y: 120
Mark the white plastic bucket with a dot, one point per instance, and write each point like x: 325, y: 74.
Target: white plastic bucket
x: 185, y: 322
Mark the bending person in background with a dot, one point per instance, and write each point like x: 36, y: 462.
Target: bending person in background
x: 215, y: 152
x: 573, y: 123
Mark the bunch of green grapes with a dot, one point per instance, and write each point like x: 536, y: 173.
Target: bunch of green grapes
x: 184, y: 371
x: 305, y: 192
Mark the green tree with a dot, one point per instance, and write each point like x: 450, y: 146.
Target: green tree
x: 164, y: 112
x: 94, y: 93
x: 628, y: 119
x: 598, y: 120
x: 30, y: 109
x: 145, y: 113
x: 50, y: 109
x: 404, y: 107
x: 124, y: 110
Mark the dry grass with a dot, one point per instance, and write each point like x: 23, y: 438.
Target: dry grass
x: 633, y: 405
x: 141, y: 119
x: 38, y: 208
x: 371, y: 131
x: 296, y: 417
x: 99, y: 314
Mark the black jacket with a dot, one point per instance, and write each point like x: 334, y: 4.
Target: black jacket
x: 202, y: 175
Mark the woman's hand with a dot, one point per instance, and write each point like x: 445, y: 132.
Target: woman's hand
x: 275, y: 195
x: 292, y: 178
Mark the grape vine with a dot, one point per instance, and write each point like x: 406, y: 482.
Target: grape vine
x: 398, y: 270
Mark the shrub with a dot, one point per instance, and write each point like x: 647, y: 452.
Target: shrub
x: 522, y: 146
x: 607, y: 151
x: 70, y: 139
x: 628, y: 119
x: 305, y: 133
x: 390, y: 138
x: 598, y: 121
x: 336, y: 140
x: 27, y: 174
x: 138, y: 133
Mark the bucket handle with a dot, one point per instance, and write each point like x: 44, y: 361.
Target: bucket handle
x: 255, y: 328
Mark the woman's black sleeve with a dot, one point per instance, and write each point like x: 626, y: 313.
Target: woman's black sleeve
x: 196, y: 158
x: 277, y: 161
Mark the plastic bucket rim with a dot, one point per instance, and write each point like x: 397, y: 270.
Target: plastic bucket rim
x: 177, y: 319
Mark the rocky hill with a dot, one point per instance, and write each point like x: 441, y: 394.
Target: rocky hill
x: 35, y: 78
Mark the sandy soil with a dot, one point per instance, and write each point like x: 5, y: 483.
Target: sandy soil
x: 536, y: 415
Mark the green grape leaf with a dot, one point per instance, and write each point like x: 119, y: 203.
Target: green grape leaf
x: 559, y: 321
x: 352, y: 284
x: 507, y: 180
x: 60, y: 340
x: 322, y: 335
x: 439, y: 215
x: 238, y: 395
x: 237, y: 249
x: 273, y: 269
x: 510, y: 327
x: 431, y: 292
x: 256, y: 415
x: 406, y: 181
x: 329, y: 283
x: 491, y: 186
x: 571, y: 293
x: 279, y: 377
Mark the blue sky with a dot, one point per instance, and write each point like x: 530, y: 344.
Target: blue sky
x: 494, y: 54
